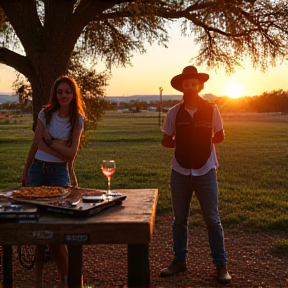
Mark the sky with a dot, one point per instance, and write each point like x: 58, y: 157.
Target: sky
x: 155, y: 69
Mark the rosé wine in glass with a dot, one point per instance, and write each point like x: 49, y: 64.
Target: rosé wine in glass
x: 108, y: 169
x: 108, y: 172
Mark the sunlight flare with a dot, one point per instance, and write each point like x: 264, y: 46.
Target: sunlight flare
x: 234, y: 91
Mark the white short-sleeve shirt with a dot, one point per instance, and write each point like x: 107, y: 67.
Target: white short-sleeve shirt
x: 169, y: 129
x: 59, y: 128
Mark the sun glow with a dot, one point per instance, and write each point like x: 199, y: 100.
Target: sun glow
x: 233, y: 91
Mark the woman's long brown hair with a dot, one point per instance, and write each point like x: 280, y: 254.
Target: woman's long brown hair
x: 76, y: 105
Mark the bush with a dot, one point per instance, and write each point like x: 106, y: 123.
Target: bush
x: 280, y: 247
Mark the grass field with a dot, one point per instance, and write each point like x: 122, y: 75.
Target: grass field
x: 253, y: 172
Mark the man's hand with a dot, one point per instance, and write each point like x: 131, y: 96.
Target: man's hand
x: 218, y: 137
x: 168, y: 141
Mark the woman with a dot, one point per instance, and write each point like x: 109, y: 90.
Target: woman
x: 54, y: 147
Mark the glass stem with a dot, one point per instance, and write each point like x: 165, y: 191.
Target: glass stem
x: 109, y: 184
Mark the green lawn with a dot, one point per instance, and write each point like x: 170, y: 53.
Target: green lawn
x: 253, y: 172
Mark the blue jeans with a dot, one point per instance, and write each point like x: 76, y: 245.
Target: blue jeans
x: 48, y: 174
x: 206, y: 190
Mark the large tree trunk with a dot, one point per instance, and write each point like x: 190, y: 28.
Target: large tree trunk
x: 48, y: 44
x: 41, y: 87
x: 48, y: 40
x: 48, y: 69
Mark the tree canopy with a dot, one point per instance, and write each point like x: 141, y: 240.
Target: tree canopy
x: 38, y: 37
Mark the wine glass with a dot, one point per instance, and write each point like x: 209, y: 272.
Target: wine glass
x: 108, y: 169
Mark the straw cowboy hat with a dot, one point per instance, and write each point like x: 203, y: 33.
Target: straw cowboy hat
x: 187, y: 73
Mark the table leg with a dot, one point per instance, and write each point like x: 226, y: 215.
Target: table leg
x: 7, y: 272
x: 74, y: 266
x: 138, y: 266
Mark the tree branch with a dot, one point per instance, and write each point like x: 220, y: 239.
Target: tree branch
x: 87, y: 9
x: 15, y: 60
x: 24, y: 18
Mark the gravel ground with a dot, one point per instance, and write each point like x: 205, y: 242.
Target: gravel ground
x: 251, y: 263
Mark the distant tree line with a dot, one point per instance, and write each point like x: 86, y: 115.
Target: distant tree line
x: 274, y: 101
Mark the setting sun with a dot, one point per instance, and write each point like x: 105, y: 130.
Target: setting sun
x: 233, y: 91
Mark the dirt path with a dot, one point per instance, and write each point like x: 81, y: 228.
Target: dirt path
x: 251, y: 263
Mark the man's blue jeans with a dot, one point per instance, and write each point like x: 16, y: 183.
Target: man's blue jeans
x: 206, y: 190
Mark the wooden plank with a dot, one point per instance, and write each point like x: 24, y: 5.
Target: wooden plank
x: 119, y: 225
x: 98, y: 233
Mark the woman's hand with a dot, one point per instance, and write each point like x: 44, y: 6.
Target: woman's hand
x: 67, y: 150
x: 24, y: 182
x: 46, y: 134
x: 24, y: 177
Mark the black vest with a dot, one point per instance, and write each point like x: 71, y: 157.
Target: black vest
x: 194, y: 136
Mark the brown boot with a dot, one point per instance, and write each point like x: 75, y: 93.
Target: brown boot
x: 173, y: 269
x: 223, y: 276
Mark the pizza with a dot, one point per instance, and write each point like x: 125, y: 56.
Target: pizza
x: 41, y: 192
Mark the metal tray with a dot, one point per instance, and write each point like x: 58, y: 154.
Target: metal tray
x: 73, y: 204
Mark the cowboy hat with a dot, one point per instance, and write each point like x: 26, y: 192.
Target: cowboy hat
x: 187, y: 73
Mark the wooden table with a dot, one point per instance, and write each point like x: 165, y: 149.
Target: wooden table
x: 131, y: 223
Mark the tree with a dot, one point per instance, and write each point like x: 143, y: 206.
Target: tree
x: 274, y: 101
x: 23, y: 88
x: 91, y: 83
x: 38, y: 37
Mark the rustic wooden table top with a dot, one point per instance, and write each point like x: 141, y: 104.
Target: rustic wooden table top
x: 132, y: 222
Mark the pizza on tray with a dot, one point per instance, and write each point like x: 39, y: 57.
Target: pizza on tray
x: 41, y: 192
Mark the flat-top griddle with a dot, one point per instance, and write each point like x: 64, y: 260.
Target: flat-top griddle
x: 80, y: 202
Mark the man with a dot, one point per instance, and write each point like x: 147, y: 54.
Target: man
x: 192, y: 127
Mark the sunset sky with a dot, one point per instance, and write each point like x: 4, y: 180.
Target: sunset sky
x: 155, y: 69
